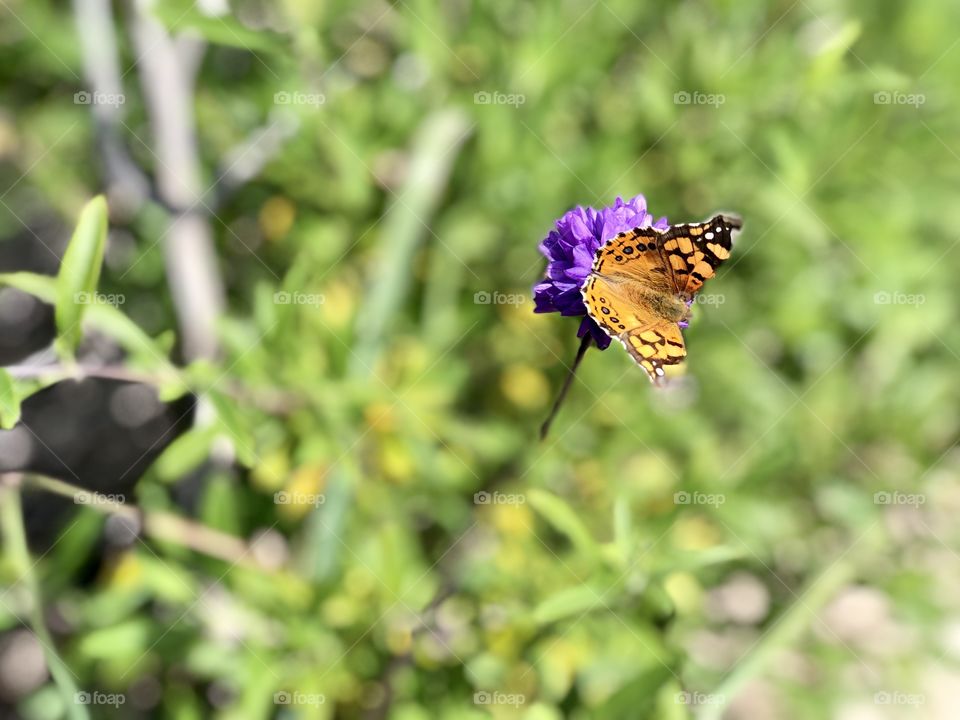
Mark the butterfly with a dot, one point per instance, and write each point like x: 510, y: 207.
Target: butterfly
x: 643, y: 282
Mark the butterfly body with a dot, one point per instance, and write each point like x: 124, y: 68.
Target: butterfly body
x: 643, y: 282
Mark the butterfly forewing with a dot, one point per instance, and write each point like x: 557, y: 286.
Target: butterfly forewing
x: 694, y: 252
x: 637, y: 254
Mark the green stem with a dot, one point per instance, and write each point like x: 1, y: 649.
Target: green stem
x: 545, y: 428
x: 15, y: 539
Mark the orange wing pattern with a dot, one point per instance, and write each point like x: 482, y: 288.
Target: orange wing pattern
x: 612, y: 307
x: 637, y: 254
x: 655, y: 347
x: 632, y: 274
x: 694, y: 252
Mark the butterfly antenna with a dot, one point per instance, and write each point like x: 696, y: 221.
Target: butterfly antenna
x: 545, y: 428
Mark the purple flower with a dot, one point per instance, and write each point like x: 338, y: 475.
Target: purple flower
x: 569, y: 250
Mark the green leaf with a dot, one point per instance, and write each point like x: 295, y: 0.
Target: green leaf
x: 569, y: 601
x: 564, y: 519
x: 41, y: 287
x: 128, y: 639
x: 184, y: 454
x: 9, y: 401
x: 80, y: 272
x: 231, y: 421
x: 220, y: 506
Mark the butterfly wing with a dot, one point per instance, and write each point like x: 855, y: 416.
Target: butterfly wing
x: 693, y: 252
x: 613, y: 307
x: 679, y: 260
x: 655, y: 347
x: 650, y: 341
x: 637, y: 254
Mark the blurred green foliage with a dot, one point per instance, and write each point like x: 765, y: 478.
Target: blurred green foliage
x: 581, y: 584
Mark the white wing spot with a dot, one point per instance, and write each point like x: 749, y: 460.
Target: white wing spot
x: 708, y: 236
x: 717, y: 229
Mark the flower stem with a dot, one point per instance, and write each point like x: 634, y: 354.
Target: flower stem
x: 545, y: 428
x: 14, y: 536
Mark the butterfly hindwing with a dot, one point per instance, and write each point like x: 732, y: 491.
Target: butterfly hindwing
x: 655, y: 347
x: 694, y: 252
x: 651, y: 342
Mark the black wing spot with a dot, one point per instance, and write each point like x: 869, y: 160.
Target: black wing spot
x: 628, y: 250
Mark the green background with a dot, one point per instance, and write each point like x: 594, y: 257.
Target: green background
x: 822, y: 372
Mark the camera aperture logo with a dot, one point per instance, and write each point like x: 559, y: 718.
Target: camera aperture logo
x: 485, y: 697
x: 313, y: 100
x: 698, y: 498
x: 298, y: 298
x: 498, y: 498
x: 95, y: 498
x: 698, y: 698
x: 99, y: 98
x: 886, y: 97
x: 286, y: 497
x: 99, y: 698
x: 685, y: 97
x: 498, y: 298
x: 98, y: 298
x: 285, y: 697
x: 484, y: 97
x: 896, y: 697
x: 899, y: 498
x: 898, y: 298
